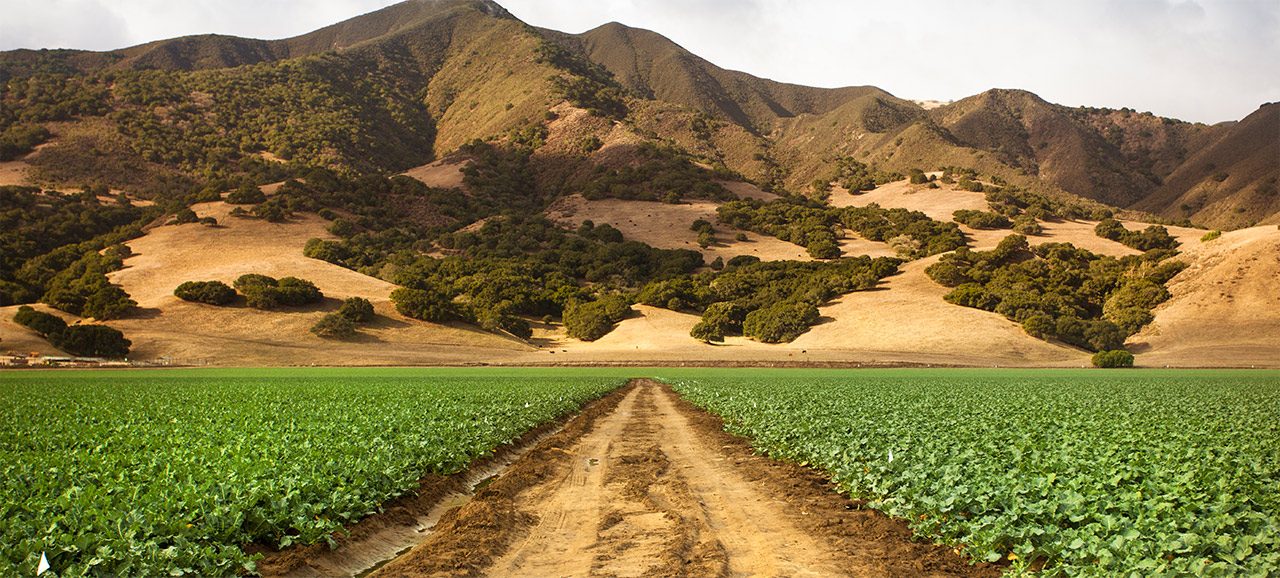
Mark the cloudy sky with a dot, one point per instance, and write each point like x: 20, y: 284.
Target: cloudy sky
x: 1197, y: 60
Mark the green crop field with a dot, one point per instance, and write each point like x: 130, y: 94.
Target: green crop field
x: 152, y: 473
x: 1088, y: 473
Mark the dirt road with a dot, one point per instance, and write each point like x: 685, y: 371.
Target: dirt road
x: 647, y: 485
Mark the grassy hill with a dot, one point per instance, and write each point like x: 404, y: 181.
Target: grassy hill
x: 525, y: 187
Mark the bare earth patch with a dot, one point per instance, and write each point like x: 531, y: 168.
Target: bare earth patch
x: 442, y: 174
x: 656, y: 488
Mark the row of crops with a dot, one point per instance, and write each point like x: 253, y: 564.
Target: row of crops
x: 1085, y: 473
x: 128, y: 474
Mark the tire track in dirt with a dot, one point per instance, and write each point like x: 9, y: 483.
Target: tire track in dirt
x: 656, y: 488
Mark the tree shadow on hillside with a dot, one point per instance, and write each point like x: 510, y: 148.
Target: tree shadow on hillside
x: 145, y: 313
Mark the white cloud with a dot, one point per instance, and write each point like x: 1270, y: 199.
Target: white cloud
x: 1205, y: 60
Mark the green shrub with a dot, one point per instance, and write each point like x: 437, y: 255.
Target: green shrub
x: 780, y: 322
x: 1113, y: 358
x: 718, y: 320
x: 357, y: 309
x: 45, y: 324
x: 982, y: 219
x: 246, y: 195
x: 334, y: 326
x: 425, y: 305
x: 211, y: 292
x: 1027, y: 225
x: 592, y: 320
x: 92, y: 341
x: 185, y: 216
x: 1211, y: 235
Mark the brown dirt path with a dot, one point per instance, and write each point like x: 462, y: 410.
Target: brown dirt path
x: 656, y: 488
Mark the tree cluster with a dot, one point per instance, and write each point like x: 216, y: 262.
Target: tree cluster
x: 981, y: 219
x: 83, y: 289
x: 211, y: 292
x: 817, y: 227
x: 82, y: 340
x: 664, y: 172
x: 591, y: 320
x: 1056, y: 290
x: 1117, y: 358
x: 42, y: 233
x: 264, y: 292
x: 342, y: 324
x: 1151, y: 238
x: 768, y: 301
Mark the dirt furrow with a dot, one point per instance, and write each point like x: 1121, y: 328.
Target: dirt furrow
x: 654, y: 487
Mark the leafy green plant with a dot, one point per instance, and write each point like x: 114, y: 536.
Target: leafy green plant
x: 1091, y: 474
x: 161, y: 475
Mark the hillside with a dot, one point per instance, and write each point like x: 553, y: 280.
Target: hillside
x: 1230, y: 183
x: 603, y: 197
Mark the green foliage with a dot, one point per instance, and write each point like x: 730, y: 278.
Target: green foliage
x: 591, y: 320
x: 663, y: 169
x: 1013, y: 201
x: 1119, y: 358
x: 747, y: 284
x: 17, y: 140
x: 247, y: 194
x: 46, y: 324
x: 1211, y: 235
x: 264, y: 292
x: 720, y: 319
x: 583, y: 83
x: 808, y: 224
x: 856, y: 176
x: 981, y: 219
x: 1058, y: 291
x: 334, y: 326
x: 83, y: 289
x: 92, y: 341
x: 971, y: 186
x: 211, y: 292
x: 1087, y: 474
x: 357, y: 309
x: 82, y: 340
x: 780, y: 322
x: 42, y: 234
x: 425, y: 305
x: 1027, y: 225
x: 185, y: 216
x: 1151, y: 238
x: 917, y: 177
x: 156, y: 475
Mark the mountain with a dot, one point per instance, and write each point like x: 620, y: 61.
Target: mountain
x: 479, y: 177
x: 1119, y: 157
x: 214, y: 51
x: 1231, y: 182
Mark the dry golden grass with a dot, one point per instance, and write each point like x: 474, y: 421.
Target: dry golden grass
x: 237, y: 335
x: 1225, y: 308
x: 667, y: 227
x: 1223, y: 312
x: 443, y: 174
x: 906, y: 315
x: 13, y: 173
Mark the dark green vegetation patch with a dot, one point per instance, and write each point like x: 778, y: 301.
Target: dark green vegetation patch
x: 143, y: 475
x: 1091, y: 473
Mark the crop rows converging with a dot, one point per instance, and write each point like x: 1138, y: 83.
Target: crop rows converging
x: 1083, y: 474
x: 157, y: 476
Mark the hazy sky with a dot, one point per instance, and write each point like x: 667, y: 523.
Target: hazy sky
x: 1197, y: 60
